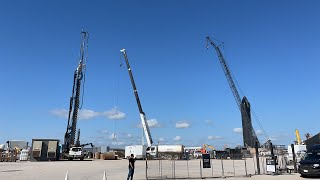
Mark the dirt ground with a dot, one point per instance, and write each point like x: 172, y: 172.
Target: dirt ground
x: 94, y: 170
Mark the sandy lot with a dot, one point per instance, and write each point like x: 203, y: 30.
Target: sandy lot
x: 117, y: 170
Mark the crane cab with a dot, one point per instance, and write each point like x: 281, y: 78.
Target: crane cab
x: 152, y: 151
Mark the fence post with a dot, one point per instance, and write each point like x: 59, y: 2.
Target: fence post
x: 200, y: 169
x: 245, y: 164
x: 146, y: 167
x: 257, y: 157
x: 294, y: 158
x: 161, y: 162
x: 211, y: 167
x: 222, y: 166
x: 234, y: 169
x: 174, y: 169
x: 188, y: 167
x: 160, y: 169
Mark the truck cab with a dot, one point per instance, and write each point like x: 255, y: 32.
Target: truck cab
x: 152, y: 151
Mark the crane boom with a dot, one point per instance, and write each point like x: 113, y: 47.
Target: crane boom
x: 135, y: 91
x: 249, y: 135
x: 227, y: 72
x: 69, y: 139
x: 298, y: 137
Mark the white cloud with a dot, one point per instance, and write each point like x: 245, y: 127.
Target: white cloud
x: 161, y: 139
x: 118, y: 143
x: 129, y: 135
x: 153, y: 123
x: 177, y: 138
x: 237, y: 130
x: 273, y: 138
x: 259, y: 132
x: 214, y: 137
x: 104, y: 131
x: 114, y: 114
x: 63, y: 113
x: 85, y: 114
x: 182, y: 125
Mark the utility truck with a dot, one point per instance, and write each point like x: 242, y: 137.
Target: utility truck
x: 153, y: 151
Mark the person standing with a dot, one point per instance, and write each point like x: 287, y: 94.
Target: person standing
x: 131, y: 167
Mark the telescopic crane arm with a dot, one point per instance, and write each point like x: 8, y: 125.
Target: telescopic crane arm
x: 135, y: 91
x: 69, y: 139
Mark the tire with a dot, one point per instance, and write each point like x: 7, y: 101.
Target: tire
x: 303, y: 176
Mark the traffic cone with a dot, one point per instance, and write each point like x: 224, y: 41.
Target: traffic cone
x: 67, y: 177
x: 104, y: 176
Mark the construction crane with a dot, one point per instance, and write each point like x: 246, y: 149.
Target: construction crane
x: 135, y: 91
x: 243, y: 105
x: 204, y: 148
x: 79, y: 74
x: 298, y: 137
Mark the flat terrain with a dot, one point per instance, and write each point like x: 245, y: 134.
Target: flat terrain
x: 117, y: 170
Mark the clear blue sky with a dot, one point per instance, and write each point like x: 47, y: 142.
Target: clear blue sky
x: 272, y: 48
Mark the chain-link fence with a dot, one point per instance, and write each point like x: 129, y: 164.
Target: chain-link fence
x: 175, y: 169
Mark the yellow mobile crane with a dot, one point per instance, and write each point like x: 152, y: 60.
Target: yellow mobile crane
x: 298, y: 137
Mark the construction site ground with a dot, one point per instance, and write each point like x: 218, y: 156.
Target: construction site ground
x: 93, y: 170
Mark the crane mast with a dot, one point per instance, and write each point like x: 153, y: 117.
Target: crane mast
x: 135, y: 91
x: 69, y: 139
x: 244, y: 105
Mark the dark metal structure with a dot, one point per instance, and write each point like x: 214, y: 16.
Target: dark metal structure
x: 249, y: 135
x: 312, y: 141
x: 69, y: 138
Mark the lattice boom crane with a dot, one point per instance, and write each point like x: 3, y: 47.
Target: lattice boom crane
x: 236, y: 96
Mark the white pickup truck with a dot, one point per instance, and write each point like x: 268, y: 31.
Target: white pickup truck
x: 76, y: 153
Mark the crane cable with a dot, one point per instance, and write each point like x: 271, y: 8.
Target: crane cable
x: 117, y: 87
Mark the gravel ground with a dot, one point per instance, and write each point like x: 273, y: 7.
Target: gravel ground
x: 115, y: 170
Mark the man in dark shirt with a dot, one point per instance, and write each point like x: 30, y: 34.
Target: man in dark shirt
x: 131, y: 167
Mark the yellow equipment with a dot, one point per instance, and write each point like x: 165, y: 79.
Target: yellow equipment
x: 204, y: 148
x: 298, y: 137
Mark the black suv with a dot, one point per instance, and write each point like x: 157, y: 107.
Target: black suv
x: 310, y: 165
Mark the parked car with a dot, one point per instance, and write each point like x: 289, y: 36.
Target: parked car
x: 310, y: 165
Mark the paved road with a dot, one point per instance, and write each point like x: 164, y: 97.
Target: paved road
x: 93, y: 170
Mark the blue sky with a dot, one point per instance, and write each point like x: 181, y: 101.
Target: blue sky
x: 272, y: 48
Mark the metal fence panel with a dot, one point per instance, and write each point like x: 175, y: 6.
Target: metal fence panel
x: 178, y: 169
